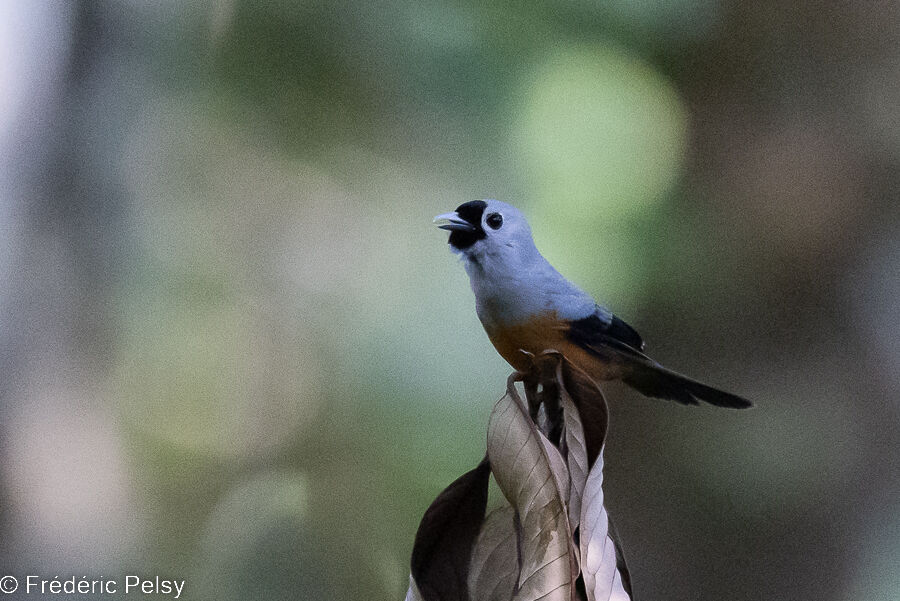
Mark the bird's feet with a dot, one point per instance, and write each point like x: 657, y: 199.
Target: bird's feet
x: 542, y: 389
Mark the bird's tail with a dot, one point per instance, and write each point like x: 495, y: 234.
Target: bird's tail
x: 654, y: 380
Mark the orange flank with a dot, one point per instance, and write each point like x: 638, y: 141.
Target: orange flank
x: 548, y: 332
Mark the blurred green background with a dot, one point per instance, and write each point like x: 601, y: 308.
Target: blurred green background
x: 235, y: 351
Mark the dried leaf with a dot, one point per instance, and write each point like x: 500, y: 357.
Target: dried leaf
x: 620, y: 560
x: 494, y: 568
x: 527, y: 551
x: 412, y: 593
x: 602, y: 566
x: 443, y: 547
x: 602, y: 578
x: 528, y: 470
x: 588, y: 399
x: 576, y: 451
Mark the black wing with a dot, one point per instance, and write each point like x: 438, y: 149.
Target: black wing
x: 601, y: 326
x: 611, y: 339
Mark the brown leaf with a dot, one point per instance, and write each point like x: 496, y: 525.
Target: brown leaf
x: 602, y: 578
x: 412, y: 593
x: 443, y: 547
x: 576, y: 451
x: 529, y: 471
x: 494, y: 568
x: 591, y: 405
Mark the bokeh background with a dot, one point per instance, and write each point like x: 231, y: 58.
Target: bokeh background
x: 234, y: 350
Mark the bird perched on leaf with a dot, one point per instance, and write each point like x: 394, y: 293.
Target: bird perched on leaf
x: 527, y: 307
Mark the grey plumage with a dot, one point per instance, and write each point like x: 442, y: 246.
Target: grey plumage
x: 513, y: 283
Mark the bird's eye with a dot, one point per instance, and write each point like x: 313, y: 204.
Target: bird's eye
x: 495, y: 220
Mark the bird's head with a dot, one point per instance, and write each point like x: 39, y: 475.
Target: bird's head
x: 486, y: 227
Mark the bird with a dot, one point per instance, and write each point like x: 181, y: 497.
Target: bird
x: 527, y: 307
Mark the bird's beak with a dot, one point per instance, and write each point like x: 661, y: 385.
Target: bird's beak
x: 455, y: 223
